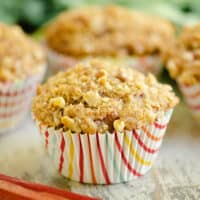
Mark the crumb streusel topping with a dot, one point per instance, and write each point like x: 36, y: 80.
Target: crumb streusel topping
x: 108, y: 31
x: 183, y: 56
x: 19, y: 55
x: 98, y: 96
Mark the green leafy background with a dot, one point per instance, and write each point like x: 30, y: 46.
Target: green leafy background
x: 31, y: 14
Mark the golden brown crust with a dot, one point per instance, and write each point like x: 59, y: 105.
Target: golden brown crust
x: 99, y: 96
x: 110, y: 30
x: 183, y: 56
x: 19, y: 55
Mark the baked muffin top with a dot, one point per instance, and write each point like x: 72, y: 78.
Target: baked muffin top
x: 98, y: 96
x: 183, y: 56
x: 19, y: 55
x: 108, y: 31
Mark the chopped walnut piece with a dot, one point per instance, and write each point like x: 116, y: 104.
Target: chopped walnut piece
x: 58, y: 102
x: 119, y: 125
x: 91, y: 98
x: 70, y: 124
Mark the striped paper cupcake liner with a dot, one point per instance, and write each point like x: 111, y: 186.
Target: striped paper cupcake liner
x: 15, y: 100
x: 153, y: 64
x: 104, y: 158
x: 192, y: 98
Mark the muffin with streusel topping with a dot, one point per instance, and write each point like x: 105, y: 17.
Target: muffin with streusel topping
x: 115, y: 33
x: 22, y: 65
x: 183, y: 63
x: 103, y: 123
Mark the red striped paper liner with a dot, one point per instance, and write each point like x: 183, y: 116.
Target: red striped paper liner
x: 150, y: 63
x: 15, y: 100
x: 104, y: 158
x: 192, y: 98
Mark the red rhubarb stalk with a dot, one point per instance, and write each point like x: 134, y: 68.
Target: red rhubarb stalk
x: 35, y: 187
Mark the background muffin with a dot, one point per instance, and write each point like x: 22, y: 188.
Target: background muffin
x: 84, y: 110
x: 183, y: 63
x: 112, y: 32
x: 22, y: 65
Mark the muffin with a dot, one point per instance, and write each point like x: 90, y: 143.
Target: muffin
x: 183, y: 63
x: 22, y: 65
x: 115, y: 33
x: 103, y: 123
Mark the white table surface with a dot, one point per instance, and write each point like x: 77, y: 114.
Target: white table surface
x: 175, y: 174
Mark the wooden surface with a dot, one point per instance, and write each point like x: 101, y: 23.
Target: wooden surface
x: 174, y: 176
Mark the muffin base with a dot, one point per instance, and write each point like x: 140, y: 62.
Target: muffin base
x: 192, y: 98
x: 150, y: 63
x: 104, y: 158
x: 15, y: 100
